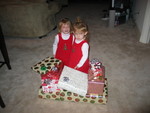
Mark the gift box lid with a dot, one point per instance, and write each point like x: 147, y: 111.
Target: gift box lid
x: 74, y: 81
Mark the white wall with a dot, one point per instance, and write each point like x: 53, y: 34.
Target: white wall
x: 139, y: 8
x: 145, y: 34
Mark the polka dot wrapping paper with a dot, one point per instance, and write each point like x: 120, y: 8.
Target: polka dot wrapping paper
x: 46, y: 65
x: 64, y: 95
x: 49, y: 95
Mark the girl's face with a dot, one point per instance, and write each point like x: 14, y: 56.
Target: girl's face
x: 65, y: 28
x: 79, y: 35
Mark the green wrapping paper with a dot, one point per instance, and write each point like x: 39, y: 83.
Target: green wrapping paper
x: 65, y: 95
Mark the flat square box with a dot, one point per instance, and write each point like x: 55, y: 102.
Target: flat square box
x: 73, y: 81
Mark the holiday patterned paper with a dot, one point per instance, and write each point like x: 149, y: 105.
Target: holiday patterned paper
x: 65, y: 95
x: 96, y: 71
x: 50, y: 85
x: 49, y: 95
x: 96, y: 76
x: 47, y: 65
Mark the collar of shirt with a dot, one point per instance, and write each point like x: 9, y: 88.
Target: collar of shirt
x: 65, y: 36
x: 78, y: 41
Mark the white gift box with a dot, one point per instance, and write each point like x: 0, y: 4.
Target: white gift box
x: 74, y: 81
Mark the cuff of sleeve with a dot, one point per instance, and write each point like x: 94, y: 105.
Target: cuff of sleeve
x: 79, y: 65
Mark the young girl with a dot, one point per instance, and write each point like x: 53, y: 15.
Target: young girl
x: 63, y: 41
x: 80, y: 50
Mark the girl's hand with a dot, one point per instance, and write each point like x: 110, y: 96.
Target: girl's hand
x: 76, y: 67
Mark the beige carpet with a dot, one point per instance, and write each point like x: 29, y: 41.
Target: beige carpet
x: 126, y: 60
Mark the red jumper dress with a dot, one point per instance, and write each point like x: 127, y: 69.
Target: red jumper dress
x: 64, y: 49
x: 76, y: 55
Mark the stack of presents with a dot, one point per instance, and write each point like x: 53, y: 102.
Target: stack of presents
x: 59, y: 82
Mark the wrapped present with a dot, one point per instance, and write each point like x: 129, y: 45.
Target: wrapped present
x: 53, y: 74
x: 64, y: 95
x: 96, y: 71
x: 95, y: 87
x: 73, y: 80
x: 95, y: 64
x: 50, y: 85
x: 50, y: 79
x: 47, y: 64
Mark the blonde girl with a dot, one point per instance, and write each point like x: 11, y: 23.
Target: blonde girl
x: 79, y: 58
x: 62, y: 45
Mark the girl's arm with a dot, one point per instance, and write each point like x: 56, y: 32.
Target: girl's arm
x: 55, y: 44
x: 73, y: 39
x: 85, y: 52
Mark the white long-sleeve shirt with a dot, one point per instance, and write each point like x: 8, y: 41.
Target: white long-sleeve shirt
x: 85, y: 53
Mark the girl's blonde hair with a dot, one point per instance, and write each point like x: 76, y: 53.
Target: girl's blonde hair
x: 81, y: 26
x: 64, y: 21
